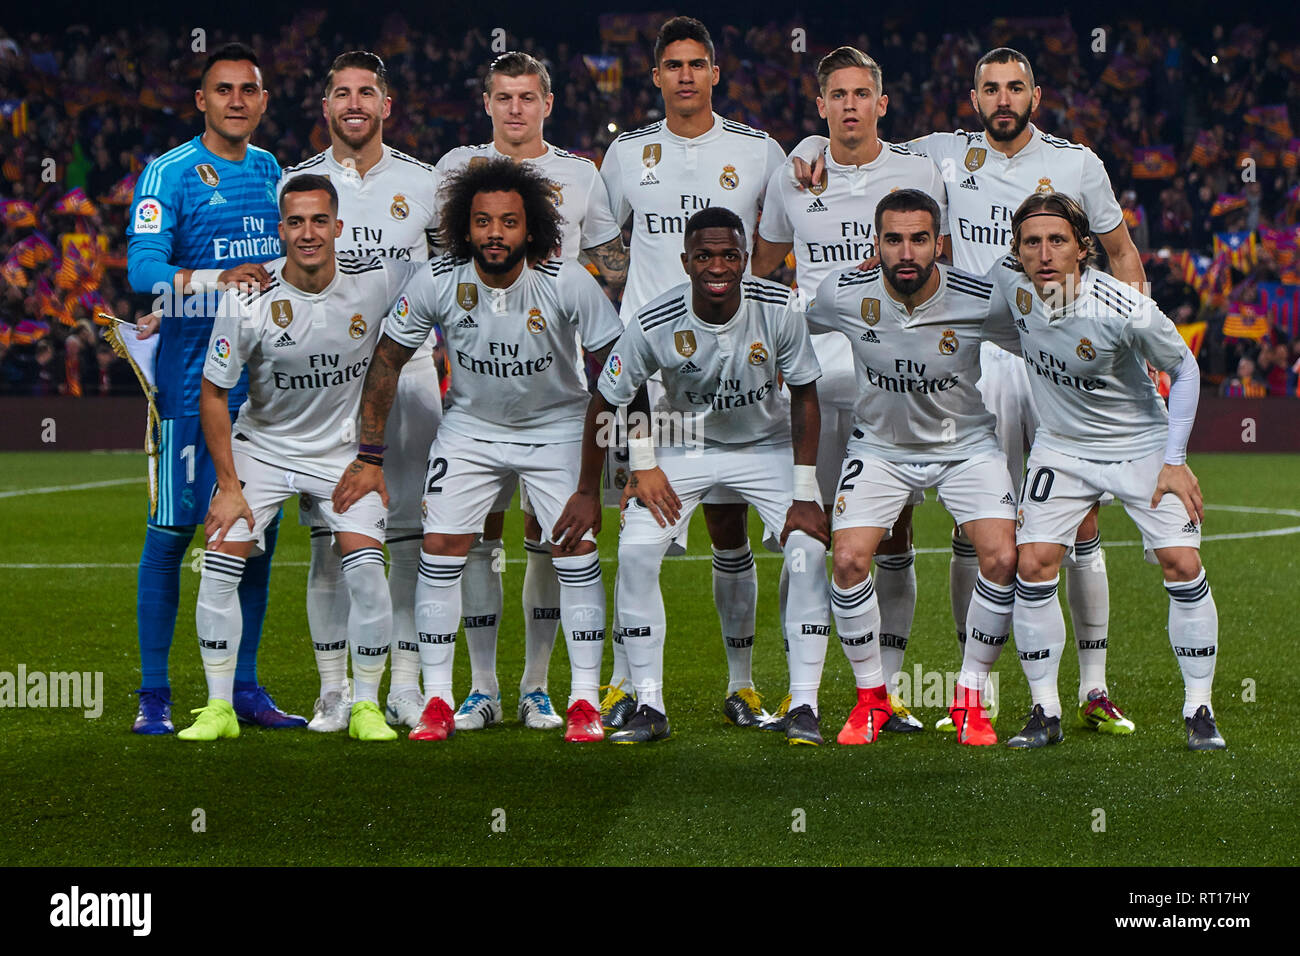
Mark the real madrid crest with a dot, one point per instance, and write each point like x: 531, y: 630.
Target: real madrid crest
x: 399, y: 209
x: 1085, y: 350
x: 1024, y: 301
x: 467, y: 296
x: 975, y: 157
x: 357, y: 327
x: 757, y: 354
x: 948, y: 342
x: 729, y: 179
x: 651, y: 155
x: 1044, y: 187
x: 477, y: 161
x: 840, y: 505
x: 871, y: 311
x: 208, y: 173
x: 536, y: 324
x: 557, y: 194
x: 281, y: 312
x: 685, y: 342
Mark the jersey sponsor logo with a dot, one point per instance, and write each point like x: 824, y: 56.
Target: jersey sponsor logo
x: 869, y: 336
x: 948, y: 342
x: 840, y: 505
x: 500, y: 367
x: 1085, y: 350
x: 729, y: 179
x: 536, y: 324
x: 148, y: 216
x: 871, y: 312
x: 357, y: 327
x: 729, y: 395
x: 467, y: 295
x: 969, y: 183
x: 757, y: 353
x: 690, y: 368
x: 1024, y: 301
x: 975, y: 157
x: 208, y: 174
x: 467, y: 323
x: 817, y: 206
x: 217, y: 199
x: 284, y: 341
x: 326, y: 370
x: 685, y: 342
x: 399, y: 210
x: 282, y: 312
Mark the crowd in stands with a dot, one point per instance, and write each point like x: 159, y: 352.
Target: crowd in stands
x: 1192, y: 122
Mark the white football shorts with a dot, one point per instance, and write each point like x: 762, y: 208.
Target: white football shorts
x: 872, y: 491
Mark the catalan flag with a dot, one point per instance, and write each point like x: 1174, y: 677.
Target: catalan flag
x: 29, y: 332
x: 607, y: 71
x: 1281, y: 303
x: 122, y: 191
x: 1245, y: 322
x: 75, y: 203
x: 1225, y: 203
x: 1240, y: 248
x: 18, y: 213
x: 1193, y: 334
x: 1205, y: 150
x: 33, y: 251
x: 12, y: 273
x: 1272, y: 118
x: 1154, y: 162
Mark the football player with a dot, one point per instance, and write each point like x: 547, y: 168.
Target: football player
x: 306, y: 341
x: 720, y: 341
x: 1087, y: 341
x: 389, y: 207
x: 203, y: 217
x: 514, y: 318
x: 657, y: 176
x: 517, y: 96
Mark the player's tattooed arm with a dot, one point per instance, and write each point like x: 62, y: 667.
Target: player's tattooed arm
x: 611, y: 261
x: 805, y: 427
x: 361, y: 477
x: 1125, y: 260
x: 228, y: 504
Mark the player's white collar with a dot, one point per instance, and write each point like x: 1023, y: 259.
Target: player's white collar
x: 708, y: 135
x: 910, y: 317
x: 546, y: 153
x: 312, y: 296
x: 1035, y: 143
x: 850, y: 168
x: 343, y: 169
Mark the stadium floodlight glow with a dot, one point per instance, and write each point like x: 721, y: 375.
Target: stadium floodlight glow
x: 1214, y: 59
x: 612, y: 127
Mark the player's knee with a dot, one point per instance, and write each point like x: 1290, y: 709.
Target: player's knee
x: 850, y: 566
x: 1090, y: 527
x: 1037, y: 563
x: 1179, y: 564
x: 1000, y: 564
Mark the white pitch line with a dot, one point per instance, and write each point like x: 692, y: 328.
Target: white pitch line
x: 21, y: 492
x: 1229, y: 536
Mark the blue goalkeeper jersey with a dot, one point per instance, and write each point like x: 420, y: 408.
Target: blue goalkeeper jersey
x: 194, y: 210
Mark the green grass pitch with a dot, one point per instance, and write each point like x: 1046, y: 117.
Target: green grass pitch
x: 87, y: 792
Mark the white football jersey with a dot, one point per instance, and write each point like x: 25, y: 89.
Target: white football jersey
x: 577, y: 191
x: 511, y: 350
x: 307, y: 356
x: 391, y: 212
x: 661, y: 179
x: 986, y: 187
x: 1087, y: 365
x: 832, y: 224
x: 918, y: 374
x: 721, y: 378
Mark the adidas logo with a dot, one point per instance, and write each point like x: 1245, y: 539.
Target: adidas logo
x: 217, y: 199
x: 283, y: 340
x: 1021, y: 325
x: 690, y: 368
x: 467, y: 323
x: 1007, y: 499
x: 649, y: 179
x: 969, y: 183
x: 1191, y: 528
x: 870, y: 336
x: 817, y: 206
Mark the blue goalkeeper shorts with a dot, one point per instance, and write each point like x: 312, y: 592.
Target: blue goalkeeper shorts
x: 181, y: 474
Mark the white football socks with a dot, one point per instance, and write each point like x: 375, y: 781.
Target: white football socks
x: 735, y: 595
x: 218, y: 621
x: 857, y: 619
x: 481, y: 603
x: 1194, y: 634
x: 963, y: 568
x: 403, y: 569
x: 541, y: 599
x: 437, y: 619
x: 895, y: 578
x: 327, y: 612
x: 1040, y: 639
x: 988, y: 623
x: 808, y: 617
x: 641, y: 620
x: 370, y: 620
x: 582, y: 612
x: 1087, y: 589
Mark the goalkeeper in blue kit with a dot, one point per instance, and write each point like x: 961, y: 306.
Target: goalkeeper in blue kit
x: 203, y: 215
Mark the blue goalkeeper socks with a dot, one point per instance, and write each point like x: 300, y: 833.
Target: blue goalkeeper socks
x: 158, y: 589
x: 253, y: 592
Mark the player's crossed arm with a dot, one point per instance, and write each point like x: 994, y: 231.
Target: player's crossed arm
x: 366, y: 473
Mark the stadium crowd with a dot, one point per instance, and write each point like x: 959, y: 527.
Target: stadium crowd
x: 1192, y: 124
